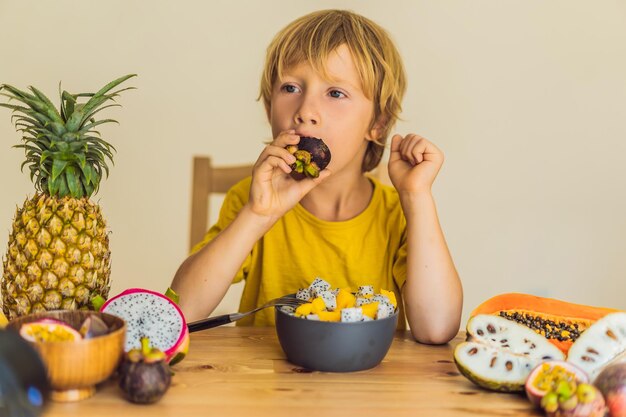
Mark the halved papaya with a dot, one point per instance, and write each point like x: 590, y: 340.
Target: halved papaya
x: 558, y: 321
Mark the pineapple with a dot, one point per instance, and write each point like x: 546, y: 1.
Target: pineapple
x: 58, y: 253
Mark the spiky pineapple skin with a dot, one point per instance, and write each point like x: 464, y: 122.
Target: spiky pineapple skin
x: 58, y: 256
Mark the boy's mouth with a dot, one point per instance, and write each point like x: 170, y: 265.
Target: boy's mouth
x: 306, y: 134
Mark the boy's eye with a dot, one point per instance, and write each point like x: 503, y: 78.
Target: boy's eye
x: 336, y: 94
x: 290, y: 88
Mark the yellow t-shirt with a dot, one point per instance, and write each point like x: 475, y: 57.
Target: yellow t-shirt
x: 369, y: 249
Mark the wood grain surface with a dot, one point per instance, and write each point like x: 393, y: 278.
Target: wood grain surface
x: 242, y: 371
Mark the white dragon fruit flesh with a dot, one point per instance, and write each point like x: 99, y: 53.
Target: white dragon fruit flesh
x: 152, y: 315
x: 303, y: 294
x: 351, y: 315
x: 361, y: 301
x: 317, y: 286
x: 330, y: 301
x: 365, y: 290
x: 384, y: 310
x: 381, y: 298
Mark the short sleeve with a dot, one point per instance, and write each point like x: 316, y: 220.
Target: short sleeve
x: 235, y: 199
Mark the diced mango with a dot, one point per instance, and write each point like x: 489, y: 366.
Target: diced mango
x: 330, y: 315
x: 345, y: 299
x: 391, y: 295
x: 370, y: 309
x: 318, y: 305
x: 304, y: 309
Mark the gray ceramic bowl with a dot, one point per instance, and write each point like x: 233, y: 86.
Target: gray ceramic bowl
x: 334, y: 346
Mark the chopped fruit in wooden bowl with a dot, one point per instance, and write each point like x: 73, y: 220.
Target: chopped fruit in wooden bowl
x: 75, y: 362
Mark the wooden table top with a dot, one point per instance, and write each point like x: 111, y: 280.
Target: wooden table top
x: 242, y: 371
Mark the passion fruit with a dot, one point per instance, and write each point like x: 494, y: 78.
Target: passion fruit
x: 549, y: 376
x: 562, y: 390
x: 49, y: 330
x: 312, y: 156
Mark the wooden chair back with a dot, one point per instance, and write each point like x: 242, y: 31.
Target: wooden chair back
x: 208, y: 179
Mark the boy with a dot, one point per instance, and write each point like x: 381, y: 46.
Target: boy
x: 333, y: 75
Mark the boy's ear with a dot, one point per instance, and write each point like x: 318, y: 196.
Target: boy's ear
x: 377, y: 129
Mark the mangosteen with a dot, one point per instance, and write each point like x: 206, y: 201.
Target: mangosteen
x: 312, y: 156
x: 144, y: 374
x: 612, y: 383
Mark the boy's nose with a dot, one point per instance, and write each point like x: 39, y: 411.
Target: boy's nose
x: 307, y: 114
x: 301, y: 119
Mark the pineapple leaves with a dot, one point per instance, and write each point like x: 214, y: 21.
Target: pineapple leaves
x: 113, y: 84
x: 26, y: 120
x: 52, y: 111
x: 78, y: 117
x: 88, y: 127
x: 37, y: 102
x: 40, y: 117
x: 89, y: 117
x: 53, y: 187
x: 67, y: 104
x: 58, y: 166
x: 82, y: 160
x: 64, y: 152
x: 63, y: 188
x: 99, y: 144
x: 73, y: 183
x: 88, y: 174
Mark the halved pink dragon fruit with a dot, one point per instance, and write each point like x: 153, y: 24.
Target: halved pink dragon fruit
x: 152, y: 315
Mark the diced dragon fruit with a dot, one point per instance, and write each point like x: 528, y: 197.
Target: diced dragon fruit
x: 365, y: 290
x: 304, y: 294
x: 330, y: 301
x: 318, y: 285
x: 384, y: 310
x: 288, y: 309
x: 381, y: 298
x: 351, y: 315
x: 360, y: 301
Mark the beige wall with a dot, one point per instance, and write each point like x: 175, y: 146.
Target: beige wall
x: 526, y: 98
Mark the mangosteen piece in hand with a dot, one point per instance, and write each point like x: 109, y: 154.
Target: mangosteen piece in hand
x: 144, y: 374
x: 312, y: 156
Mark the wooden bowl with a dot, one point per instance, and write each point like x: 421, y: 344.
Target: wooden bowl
x: 74, y: 368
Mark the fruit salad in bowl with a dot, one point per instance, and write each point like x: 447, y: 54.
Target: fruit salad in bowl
x: 337, y: 330
x: 79, y: 348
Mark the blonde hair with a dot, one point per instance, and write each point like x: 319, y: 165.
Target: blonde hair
x: 313, y: 37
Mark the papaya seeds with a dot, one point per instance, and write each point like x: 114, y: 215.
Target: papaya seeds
x: 312, y: 156
x: 561, y: 322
